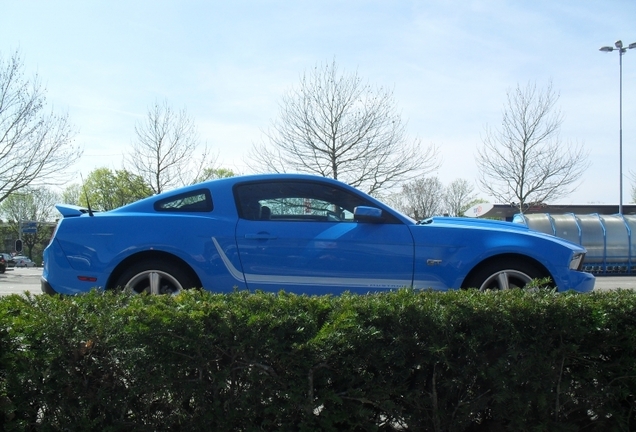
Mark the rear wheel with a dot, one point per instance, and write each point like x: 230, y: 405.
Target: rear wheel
x: 506, y: 274
x: 155, y: 277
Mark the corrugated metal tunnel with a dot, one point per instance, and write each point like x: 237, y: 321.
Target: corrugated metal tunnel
x: 609, y: 239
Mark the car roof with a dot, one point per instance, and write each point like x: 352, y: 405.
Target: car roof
x: 227, y: 183
x: 222, y: 189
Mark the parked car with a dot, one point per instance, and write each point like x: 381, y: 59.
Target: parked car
x: 298, y: 233
x: 9, y: 259
x: 22, y: 261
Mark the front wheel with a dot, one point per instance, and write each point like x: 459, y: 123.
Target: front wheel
x: 155, y: 277
x: 500, y: 275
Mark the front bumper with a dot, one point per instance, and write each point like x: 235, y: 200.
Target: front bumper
x: 579, y: 281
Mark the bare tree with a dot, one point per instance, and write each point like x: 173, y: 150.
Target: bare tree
x: 632, y: 177
x: 334, y: 125
x: 458, y: 197
x: 166, y: 152
x: 525, y: 161
x: 421, y: 198
x: 35, y: 146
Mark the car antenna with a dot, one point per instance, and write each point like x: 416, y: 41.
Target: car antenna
x: 88, y: 203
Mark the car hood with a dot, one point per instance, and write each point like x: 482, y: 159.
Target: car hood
x: 495, y: 225
x: 475, y: 223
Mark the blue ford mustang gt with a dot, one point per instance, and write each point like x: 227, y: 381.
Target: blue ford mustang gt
x: 297, y: 233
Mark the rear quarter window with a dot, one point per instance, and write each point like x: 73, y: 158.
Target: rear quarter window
x: 198, y: 200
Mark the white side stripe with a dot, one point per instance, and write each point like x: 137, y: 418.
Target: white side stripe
x: 307, y: 280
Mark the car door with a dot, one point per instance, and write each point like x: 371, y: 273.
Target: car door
x: 301, y: 236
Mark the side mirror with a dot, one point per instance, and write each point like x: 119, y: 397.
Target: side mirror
x: 367, y: 214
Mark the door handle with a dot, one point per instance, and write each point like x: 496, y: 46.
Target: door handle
x: 260, y: 236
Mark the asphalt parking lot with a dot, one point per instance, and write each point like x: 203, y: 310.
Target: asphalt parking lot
x: 20, y: 280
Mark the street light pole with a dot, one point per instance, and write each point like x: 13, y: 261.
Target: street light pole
x: 619, y: 47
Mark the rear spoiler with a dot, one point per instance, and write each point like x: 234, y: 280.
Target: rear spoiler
x: 69, y: 210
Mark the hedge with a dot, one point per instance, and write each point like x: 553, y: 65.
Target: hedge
x: 406, y: 360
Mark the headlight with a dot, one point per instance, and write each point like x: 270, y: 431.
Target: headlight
x: 577, y: 261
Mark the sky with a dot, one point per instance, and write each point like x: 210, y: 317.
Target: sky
x: 229, y: 63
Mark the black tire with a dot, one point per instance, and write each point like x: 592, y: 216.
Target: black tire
x: 504, y: 274
x: 155, y: 277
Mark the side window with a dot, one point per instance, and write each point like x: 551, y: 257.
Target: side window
x: 294, y: 208
x: 296, y: 201
x: 194, y: 201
